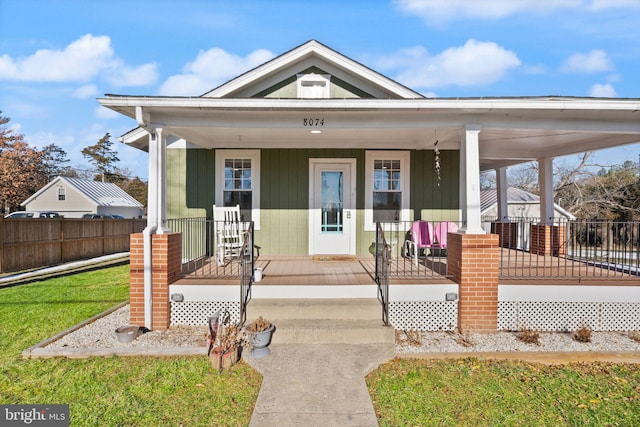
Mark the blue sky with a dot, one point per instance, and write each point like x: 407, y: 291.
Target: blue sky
x: 58, y: 56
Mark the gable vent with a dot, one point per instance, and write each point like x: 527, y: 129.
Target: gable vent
x: 313, y: 85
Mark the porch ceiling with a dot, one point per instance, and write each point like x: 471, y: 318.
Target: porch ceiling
x: 512, y: 130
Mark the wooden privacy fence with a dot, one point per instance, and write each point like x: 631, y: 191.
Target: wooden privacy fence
x: 31, y: 243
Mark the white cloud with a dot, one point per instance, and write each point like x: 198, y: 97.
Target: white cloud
x: 595, y: 61
x: 86, y: 91
x: 83, y: 60
x: 437, y: 12
x: 598, y: 5
x: 210, y: 69
x: 473, y: 64
x: 123, y: 75
x: 603, y: 91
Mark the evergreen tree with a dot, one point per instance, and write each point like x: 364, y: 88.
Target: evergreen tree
x: 104, y: 158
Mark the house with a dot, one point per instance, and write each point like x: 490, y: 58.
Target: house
x: 317, y: 149
x: 73, y: 198
x: 521, y: 204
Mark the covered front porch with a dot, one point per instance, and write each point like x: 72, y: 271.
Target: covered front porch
x: 316, y: 172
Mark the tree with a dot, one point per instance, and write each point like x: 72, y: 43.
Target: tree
x: 137, y: 188
x: 20, y: 168
x: 54, y: 161
x: 104, y: 158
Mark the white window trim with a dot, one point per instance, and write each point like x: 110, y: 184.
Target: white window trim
x: 62, y: 191
x: 254, y: 155
x: 405, y: 185
x: 316, y: 78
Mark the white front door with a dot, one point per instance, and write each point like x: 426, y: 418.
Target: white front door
x: 332, y: 194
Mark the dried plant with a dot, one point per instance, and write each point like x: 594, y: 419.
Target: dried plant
x: 259, y: 325
x: 413, y: 337
x: 583, y: 334
x: 529, y: 336
x: 464, y: 340
x: 228, y: 336
x: 635, y: 336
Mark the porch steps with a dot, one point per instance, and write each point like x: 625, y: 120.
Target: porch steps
x: 323, y: 321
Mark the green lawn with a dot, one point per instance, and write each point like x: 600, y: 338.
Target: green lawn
x: 469, y: 392
x: 111, y: 391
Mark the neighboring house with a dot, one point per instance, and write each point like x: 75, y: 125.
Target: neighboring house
x: 73, y: 198
x: 521, y: 204
x: 523, y: 208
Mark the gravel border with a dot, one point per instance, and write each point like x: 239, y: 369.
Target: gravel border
x: 96, y: 337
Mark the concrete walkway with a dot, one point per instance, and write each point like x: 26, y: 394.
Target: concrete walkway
x: 317, y: 384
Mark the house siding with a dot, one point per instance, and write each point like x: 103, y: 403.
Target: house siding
x: 190, y: 183
x: 337, y: 89
x: 433, y: 199
x: 284, y: 192
x: 74, y: 205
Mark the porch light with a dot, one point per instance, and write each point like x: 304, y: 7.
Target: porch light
x: 316, y: 131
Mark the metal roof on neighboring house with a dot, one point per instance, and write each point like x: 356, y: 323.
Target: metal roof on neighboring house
x: 103, y: 193
x: 100, y: 193
x: 489, y: 198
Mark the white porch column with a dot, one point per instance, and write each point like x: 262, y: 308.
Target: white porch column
x: 156, y: 213
x: 470, y: 180
x: 501, y: 192
x: 545, y: 181
x: 157, y: 201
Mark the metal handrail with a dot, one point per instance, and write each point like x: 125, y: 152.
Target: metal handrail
x: 247, y: 262
x: 383, y: 260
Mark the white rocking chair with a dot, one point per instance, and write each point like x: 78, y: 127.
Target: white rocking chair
x: 228, y: 231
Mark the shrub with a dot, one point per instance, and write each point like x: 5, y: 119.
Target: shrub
x: 529, y: 336
x: 635, y: 335
x: 583, y: 334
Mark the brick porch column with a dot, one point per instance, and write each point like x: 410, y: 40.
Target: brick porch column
x: 474, y: 262
x: 166, y: 258
x: 548, y: 239
x: 136, y: 279
x: 507, y: 232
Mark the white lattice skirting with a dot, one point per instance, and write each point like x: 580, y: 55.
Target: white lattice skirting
x: 424, y: 315
x: 196, y: 313
x: 568, y: 316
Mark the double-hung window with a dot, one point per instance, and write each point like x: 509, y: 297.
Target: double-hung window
x: 238, y: 182
x: 387, y: 187
x: 62, y: 194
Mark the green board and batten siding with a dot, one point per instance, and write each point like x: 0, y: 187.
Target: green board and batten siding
x: 288, y: 88
x: 284, y: 192
x: 430, y: 201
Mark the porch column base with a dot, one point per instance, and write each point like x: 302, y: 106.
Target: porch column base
x: 166, y: 255
x: 548, y: 239
x: 473, y: 262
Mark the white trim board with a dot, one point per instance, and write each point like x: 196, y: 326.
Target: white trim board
x: 569, y: 293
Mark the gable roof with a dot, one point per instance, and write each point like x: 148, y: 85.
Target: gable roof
x: 489, y: 198
x: 99, y: 193
x: 316, y: 54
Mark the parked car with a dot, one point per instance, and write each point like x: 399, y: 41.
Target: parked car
x: 102, y: 216
x: 29, y: 214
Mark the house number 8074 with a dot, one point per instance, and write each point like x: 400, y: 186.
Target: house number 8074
x: 312, y: 122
